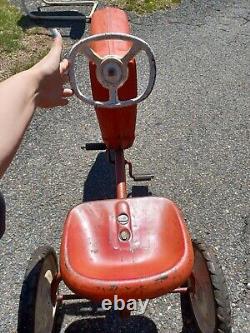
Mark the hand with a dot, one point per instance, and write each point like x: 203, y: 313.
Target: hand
x: 52, y: 75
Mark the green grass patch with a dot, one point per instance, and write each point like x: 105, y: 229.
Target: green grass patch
x: 144, y: 6
x: 19, y: 49
x: 10, y: 33
x: 17, y: 66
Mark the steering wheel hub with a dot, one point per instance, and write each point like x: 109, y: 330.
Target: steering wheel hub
x: 112, y: 72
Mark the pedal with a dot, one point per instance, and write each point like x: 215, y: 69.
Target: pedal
x: 138, y: 177
x: 142, y: 178
x: 95, y: 146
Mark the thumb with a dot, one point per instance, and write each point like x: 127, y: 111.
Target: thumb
x: 57, y: 45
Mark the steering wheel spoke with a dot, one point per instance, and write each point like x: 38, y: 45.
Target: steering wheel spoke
x: 134, y: 50
x: 91, y: 55
x: 113, y: 96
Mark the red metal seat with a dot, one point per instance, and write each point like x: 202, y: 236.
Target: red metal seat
x: 97, y: 264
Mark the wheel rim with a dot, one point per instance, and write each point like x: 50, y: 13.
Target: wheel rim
x: 202, y: 296
x: 44, y: 309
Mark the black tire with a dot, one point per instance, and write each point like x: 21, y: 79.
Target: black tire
x: 36, y: 312
x: 206, y: 309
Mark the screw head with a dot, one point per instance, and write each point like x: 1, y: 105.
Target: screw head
x: 123, y: 218
x: 124, y: 235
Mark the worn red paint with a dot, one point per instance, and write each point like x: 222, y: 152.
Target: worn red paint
x: 158, y: 256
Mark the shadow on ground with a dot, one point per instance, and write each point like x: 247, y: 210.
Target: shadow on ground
x: 76, y: 27
x: 95, y: 320
x: 100, y: 182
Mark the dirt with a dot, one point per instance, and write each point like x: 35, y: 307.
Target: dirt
x: 35, y: 44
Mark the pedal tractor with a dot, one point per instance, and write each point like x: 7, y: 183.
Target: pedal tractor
x: 134, y: 248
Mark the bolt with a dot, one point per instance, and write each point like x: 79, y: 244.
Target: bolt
x: 124, y: 235
x: 122, y: 219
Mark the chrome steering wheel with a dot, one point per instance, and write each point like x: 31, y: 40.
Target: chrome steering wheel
x: 111, y: 70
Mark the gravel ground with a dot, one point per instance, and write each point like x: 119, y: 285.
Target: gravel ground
x: 192, y: 132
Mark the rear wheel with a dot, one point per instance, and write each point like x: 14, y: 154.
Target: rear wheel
x: 36, y: 310
x: 206, y: 309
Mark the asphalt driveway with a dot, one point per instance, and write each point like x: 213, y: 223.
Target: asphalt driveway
x: 192, y: 132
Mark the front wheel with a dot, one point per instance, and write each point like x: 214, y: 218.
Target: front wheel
x: 36, y: 310
x: 206, y: 308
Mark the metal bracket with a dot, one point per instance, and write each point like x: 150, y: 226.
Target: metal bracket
x: 138, y: 177
x: 42, y: 15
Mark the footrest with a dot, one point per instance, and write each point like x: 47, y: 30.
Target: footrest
x: 95, y: 146
x: 142, y: 177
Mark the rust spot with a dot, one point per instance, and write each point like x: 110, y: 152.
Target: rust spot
x: 113, y: 287
x: 162, y: 278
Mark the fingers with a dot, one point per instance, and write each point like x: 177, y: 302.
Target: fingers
x: 67, y: 92
x: 55, y: 33
x: 57, y: 45
x: 64, y: 66
x: 64, y: 97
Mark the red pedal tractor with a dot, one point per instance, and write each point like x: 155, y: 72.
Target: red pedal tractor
x: 131, y: 248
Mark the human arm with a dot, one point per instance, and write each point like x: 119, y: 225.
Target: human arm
x: 21, y: 94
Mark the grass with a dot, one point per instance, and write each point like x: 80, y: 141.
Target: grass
x: 144, y: 6
x: 19, y: 49
x: 10, y: 32
x: 35, y: 53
